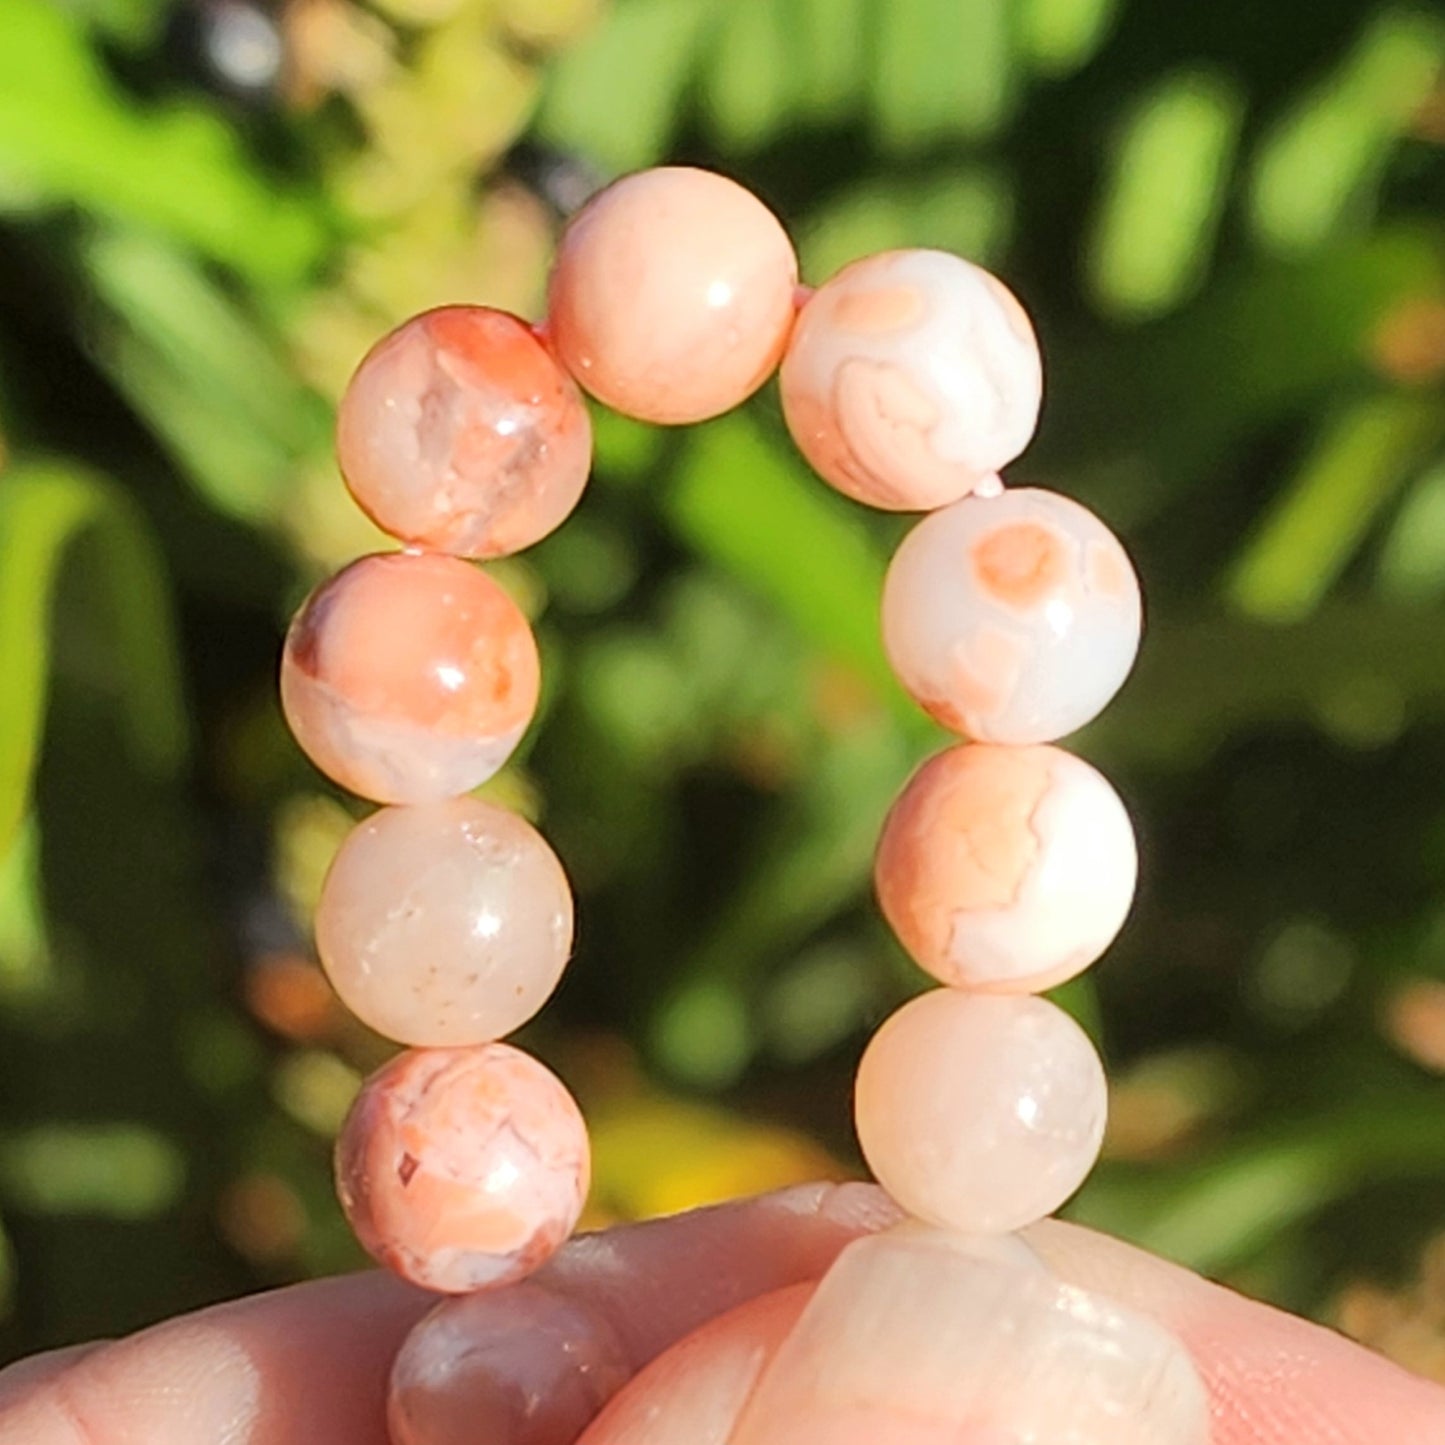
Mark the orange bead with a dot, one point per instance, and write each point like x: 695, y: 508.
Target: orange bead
x: 463, y: 1168
x: 409, y: 677
x: 460, y: 433
x: 672, y: 295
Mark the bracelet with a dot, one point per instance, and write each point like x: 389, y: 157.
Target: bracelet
x: 1012, y: 616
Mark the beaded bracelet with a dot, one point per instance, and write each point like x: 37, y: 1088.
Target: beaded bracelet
x: 1012, y: 617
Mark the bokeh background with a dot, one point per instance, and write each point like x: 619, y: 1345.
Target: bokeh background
x: 1229, y: 220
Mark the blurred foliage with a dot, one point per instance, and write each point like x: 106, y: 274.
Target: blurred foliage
x: 1231, y: 235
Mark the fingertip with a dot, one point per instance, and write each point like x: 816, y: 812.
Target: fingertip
x: 1272, y: 1379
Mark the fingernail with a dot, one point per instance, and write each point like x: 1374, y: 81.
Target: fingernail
x: 916, y: 1336
x: 506, y: 1368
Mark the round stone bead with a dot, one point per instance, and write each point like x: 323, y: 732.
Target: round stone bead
x: 460, y: 433
x: 910, y: 378
x: 461, y: 1169
x: 1006, y: 869
x: 980, y: 1113
x: 1013, y: 618
x: 672, y: 295
x: 445, y: 924
x: 409, y: 677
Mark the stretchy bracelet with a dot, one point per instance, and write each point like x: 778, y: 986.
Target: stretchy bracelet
x: 1011, y: 615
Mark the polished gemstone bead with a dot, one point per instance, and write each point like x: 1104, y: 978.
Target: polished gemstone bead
x: 910, y: 378
x: 444, y: 924
x: 463, y: 1168
x: 409, y: 677
x: 1012, y: 619
x: 1006, y: 869
x: 672, y: 295
x: 980, y: 1113
x: 460, y: 433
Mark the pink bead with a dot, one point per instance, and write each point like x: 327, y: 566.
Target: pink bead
x: 460, y: 433
x: 672, y: 295
x: 910, y: 377
x: 444, y: 924
x: 461, y: 1169
x: 1012, y: 619
x: 409, y: 677
x: 980, y: 1113
x: 1006, y: 869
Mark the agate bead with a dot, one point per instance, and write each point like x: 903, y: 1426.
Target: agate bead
x: 461, y: 1169
x: 1006, y: 869
x: 1012, y: 619
x: 444, y: 924
x: 910, y: 378
x: 409, y: 677
x: 672, y: 295
x: 980, y: 1113
x: 461, y: 433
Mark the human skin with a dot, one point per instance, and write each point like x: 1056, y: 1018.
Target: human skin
x: 674, y: 1321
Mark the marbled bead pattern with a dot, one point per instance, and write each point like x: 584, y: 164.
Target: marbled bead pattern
x: 980, y: 1113
x: 445, y: 924
x: 672, y: 295
x: 1012, y: 619
x: 1006, y: 869
x: 910, y: 378
x: 460, y: 433
x: 408, y: 677
x: 462, y: 1169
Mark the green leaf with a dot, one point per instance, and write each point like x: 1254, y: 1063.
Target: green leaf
x: 968, y: 211
x: 614, y: 96
x: 813, y: 861
x: 1214, y: 1215
x: 755, y: 509
x: 747, y: 81
x: 123, y: 1170
x: 203, y: 374
x: 24, y: 944
x: 1061, y: 36
x: 1204, y: 680
x: 1183, y: 388
x: 1412, y: 564
x: 830, y: 55
x: 1326, y: 155
x: 46, y: 509
x: 1317, y: 524
x: 942, y: 69
x: 1161, y: 204
x: 69, y: 137
x: 132, y: 23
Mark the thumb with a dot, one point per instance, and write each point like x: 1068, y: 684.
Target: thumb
x: 917, y: 1337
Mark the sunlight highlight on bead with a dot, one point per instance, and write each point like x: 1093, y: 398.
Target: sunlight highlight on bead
x: 1012, y: 619
x: 460, y: 433
x: 672, y: 295
x: 979, y: 1113
x: 910, y: 378
x: 463, y: 1169
x: 409, y: 678
x: 445, y: 924
x: 1006, y: 869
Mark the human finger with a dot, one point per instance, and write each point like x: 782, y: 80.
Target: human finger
x: 532, y: 1365
x: 906, y: 1353
x: 307, y: 1364
x: 1272, y: 1379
